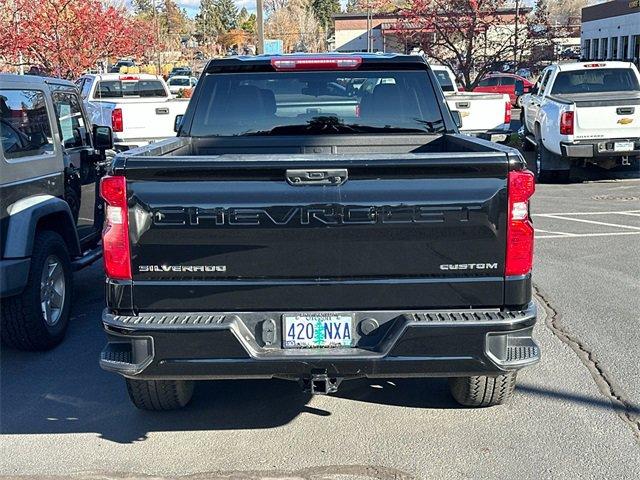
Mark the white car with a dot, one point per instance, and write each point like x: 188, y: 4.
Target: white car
x: 582, y: 113
x: 484, y: 115
x: 181, y: 82
x: 138, y: 107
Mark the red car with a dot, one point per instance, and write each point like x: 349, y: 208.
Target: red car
x: 505, y: 83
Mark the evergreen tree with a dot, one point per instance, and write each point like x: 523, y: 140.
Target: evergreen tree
x: 324, y: 11
x: 227, y: 14
x: 352, y: 6
x: 208, y: 24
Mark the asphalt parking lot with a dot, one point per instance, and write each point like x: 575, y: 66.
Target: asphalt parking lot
x: 575, y: 415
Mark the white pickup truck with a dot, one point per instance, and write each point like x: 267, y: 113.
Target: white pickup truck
x: 484, y: 115
x: 138, y: 107
x: 583, y: 113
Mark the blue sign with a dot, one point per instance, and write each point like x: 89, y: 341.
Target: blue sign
x: 273, y: 47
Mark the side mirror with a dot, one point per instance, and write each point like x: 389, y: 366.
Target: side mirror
x: 177, y: 123
x: 102, y: 138
x: 535, y: 89
x: 519, y: 88
x: 457, y: 118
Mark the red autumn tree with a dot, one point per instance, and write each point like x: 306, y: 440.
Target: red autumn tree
x: 469, y: 36
x: 67, y: 37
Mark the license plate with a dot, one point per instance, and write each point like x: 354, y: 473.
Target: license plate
x: 317, y: 330
x: 623, y: 146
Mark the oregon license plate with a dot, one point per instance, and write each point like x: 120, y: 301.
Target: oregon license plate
x: 317, y: 330
x: 623, y: 146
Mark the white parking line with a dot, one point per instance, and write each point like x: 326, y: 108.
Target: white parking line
x: 578, y: 235
x: 623, y: 212
x: 593, y: 222
x: 551, y: 231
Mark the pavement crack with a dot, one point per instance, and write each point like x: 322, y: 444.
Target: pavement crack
x: 629, y: 414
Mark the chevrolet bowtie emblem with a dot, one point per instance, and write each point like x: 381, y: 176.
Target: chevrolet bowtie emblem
x: 625, y: 121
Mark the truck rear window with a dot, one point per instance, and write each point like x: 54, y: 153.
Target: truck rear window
x: 334, y: 102
x: 595, y: 81
x: 123, y: 89
x: 444, y: 80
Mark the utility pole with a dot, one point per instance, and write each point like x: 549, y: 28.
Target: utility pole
x: 515, y: 39
x: 369, y: 26
x: 260, y: 27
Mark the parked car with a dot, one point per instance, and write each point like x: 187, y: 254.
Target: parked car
x: 506, y: 83
x: 180, y: 82
x: 50, y: 221
x: 139, y: 108
x: 181, y: 72
x: 121, y: 63
x: 484, y: 115
x: 581, y: 113
x: 292, y: 232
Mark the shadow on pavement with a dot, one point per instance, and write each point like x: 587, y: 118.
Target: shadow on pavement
x: 64, y: 390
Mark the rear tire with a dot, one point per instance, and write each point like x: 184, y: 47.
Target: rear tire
x: 545, y: 157
x: 23, y: 323
x: 160, y: 395
x: 483, y: 391
x: 527, y: 146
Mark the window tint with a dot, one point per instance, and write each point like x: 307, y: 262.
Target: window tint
x: 179, y: 82
x: 596, y: 80
x: 70, y: 121
x: 489, y: 82
x: 86, y: 87
x: 24, y: 125
x: 137, y: 88
x: 444, y: 80
x: 545, y: 80
x: 507, y: 81
x: 298, y: 103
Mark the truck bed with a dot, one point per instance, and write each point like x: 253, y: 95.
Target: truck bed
x: 420, y: 225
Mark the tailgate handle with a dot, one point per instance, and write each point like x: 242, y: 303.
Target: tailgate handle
x: 463, y: 104
x: 625, y: 110
x: 162, y: 111
x: 334, y: 176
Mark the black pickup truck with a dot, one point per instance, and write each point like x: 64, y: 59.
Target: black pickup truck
x: 304, y: 227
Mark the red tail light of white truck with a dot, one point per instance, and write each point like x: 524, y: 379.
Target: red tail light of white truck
x: 117, y: 124
x: 566, y: 123
x: 115, y: 235
x: 519, y: 258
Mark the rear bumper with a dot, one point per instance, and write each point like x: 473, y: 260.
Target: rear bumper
x: 14, y: 274
x: 496, y: 135
x: 598, y: 148
x: 222, y: 345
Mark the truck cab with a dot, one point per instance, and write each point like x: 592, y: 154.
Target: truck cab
x: 50, y: 215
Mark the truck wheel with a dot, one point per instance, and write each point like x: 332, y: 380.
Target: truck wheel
x: 545, y: 157
x: 483, y: 391
x: 160, y: 394
x: 37, y: 318
x: 527, y: 146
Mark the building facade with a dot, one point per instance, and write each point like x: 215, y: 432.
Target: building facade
x: 358, y: 32
x: 611, y: 31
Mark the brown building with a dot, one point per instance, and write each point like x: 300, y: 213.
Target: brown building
x: 353, y: 31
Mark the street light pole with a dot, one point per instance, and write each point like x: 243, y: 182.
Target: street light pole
x: 515, y: 39
x: 260, y: 26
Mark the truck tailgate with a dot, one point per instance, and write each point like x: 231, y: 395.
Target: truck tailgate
x: 608, y: 115
x: 480, y: 111
x: 238, y: 233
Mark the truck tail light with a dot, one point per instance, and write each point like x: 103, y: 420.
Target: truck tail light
x: 507, y: 112
x: 316, y: 63
x: 519, y: 258
x: 566, y: 123
x: 115, y: 235
x: 117, y: 125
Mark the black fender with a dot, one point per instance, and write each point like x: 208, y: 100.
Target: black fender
x: 29, y: 214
